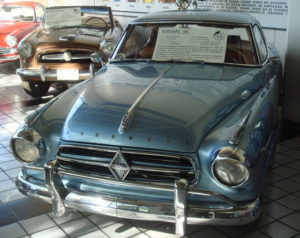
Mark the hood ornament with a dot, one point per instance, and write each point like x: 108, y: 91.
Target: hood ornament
x: 119, y: 166
x: 125, y: 122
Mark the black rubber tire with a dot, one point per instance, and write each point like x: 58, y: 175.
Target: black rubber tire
x: 36, y: 89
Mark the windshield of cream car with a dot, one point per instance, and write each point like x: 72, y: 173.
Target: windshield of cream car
x: 16, y: 13
x: 188, y: 43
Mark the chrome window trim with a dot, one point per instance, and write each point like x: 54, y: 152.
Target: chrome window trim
x: 256, y: 46
x: 249, y: 25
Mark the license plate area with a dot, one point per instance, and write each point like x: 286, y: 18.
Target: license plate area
x: 68, y: 74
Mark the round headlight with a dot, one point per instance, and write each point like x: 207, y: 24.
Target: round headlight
x: 11, y: 40
x: 24, y: 49
x: 27, y: 145
x: 229, y: 168
x: 108, y: 46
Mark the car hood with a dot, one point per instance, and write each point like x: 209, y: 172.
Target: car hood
x: 175, y: 115
x: 12, y: 27
x: 65, y: 38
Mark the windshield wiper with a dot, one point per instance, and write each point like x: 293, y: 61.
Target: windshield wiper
x: 130, y: 60
x: 159, y: 61
x: 75, y: 26
x: 182, y: 61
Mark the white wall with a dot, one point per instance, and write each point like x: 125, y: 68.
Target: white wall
x: 291, y: 105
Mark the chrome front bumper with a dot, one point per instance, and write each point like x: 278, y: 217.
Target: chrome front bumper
x: 178, y: 212
x: 52, y: 74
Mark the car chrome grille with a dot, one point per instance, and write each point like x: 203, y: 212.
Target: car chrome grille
x: 64, y: 57
x: 7, y: 51
x: 144, y: 166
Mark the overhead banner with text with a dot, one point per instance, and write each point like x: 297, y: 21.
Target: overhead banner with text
x: 271, y: 13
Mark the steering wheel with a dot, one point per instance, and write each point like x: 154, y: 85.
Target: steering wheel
x: 99, y: 18
x: 242, y: 56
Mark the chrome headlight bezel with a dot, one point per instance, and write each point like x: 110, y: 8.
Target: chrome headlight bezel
x: 108, y: 46
x: 27, y: 145
x: 25, y: 49
x: 11, y: 40
x: 231, y: 163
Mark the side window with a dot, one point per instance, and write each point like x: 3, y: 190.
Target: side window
x: 39, y: 11
x: 262, y: 48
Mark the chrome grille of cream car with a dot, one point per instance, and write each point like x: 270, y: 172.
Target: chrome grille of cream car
x: 64, y: 57
x: 144, y: 166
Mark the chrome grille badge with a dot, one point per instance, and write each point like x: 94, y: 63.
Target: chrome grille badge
x: 67, y: 56
x: 119, y: 166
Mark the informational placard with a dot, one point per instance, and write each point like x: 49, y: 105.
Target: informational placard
x: 188, y: 44
x: 70, y: 16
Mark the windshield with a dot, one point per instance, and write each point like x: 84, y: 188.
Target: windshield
x: 16, y: 13
x: 209, y: 43
x: 66, y: 17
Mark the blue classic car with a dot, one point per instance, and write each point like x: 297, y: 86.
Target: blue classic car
x: 179, y: 126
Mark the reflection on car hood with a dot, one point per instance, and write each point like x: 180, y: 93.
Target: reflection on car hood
x: 14, y: 28
x: 178, y: 111
x: 66, y: 37
x: 9, y: 27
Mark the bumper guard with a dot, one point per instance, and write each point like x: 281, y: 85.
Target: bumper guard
x: 179, y: 212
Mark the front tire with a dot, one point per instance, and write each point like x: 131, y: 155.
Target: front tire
x: 36, y: 89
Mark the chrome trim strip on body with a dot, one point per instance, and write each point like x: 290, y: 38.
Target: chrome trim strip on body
x: 144, y: 210
x: 237, y: 135
x: 125, y: 122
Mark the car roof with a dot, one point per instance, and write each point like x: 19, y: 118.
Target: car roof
x: 197, y: 15
x: 24, y: 3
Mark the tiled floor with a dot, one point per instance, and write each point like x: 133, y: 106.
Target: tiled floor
x: 24, y: 217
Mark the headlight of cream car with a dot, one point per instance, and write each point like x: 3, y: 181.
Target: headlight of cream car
x: 24, y: 49
x: 228, y: 167
x: 11, y: 40
x: 108, y: 46
x: 27, y: 145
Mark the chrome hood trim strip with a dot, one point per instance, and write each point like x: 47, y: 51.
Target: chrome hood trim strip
x: 237, y: 135
x: 125, y: 122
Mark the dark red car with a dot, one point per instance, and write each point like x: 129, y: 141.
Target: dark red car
x: 17, y: 19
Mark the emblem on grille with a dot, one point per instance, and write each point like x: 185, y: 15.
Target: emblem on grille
x: 119, y: 166
x: 67, y: 56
